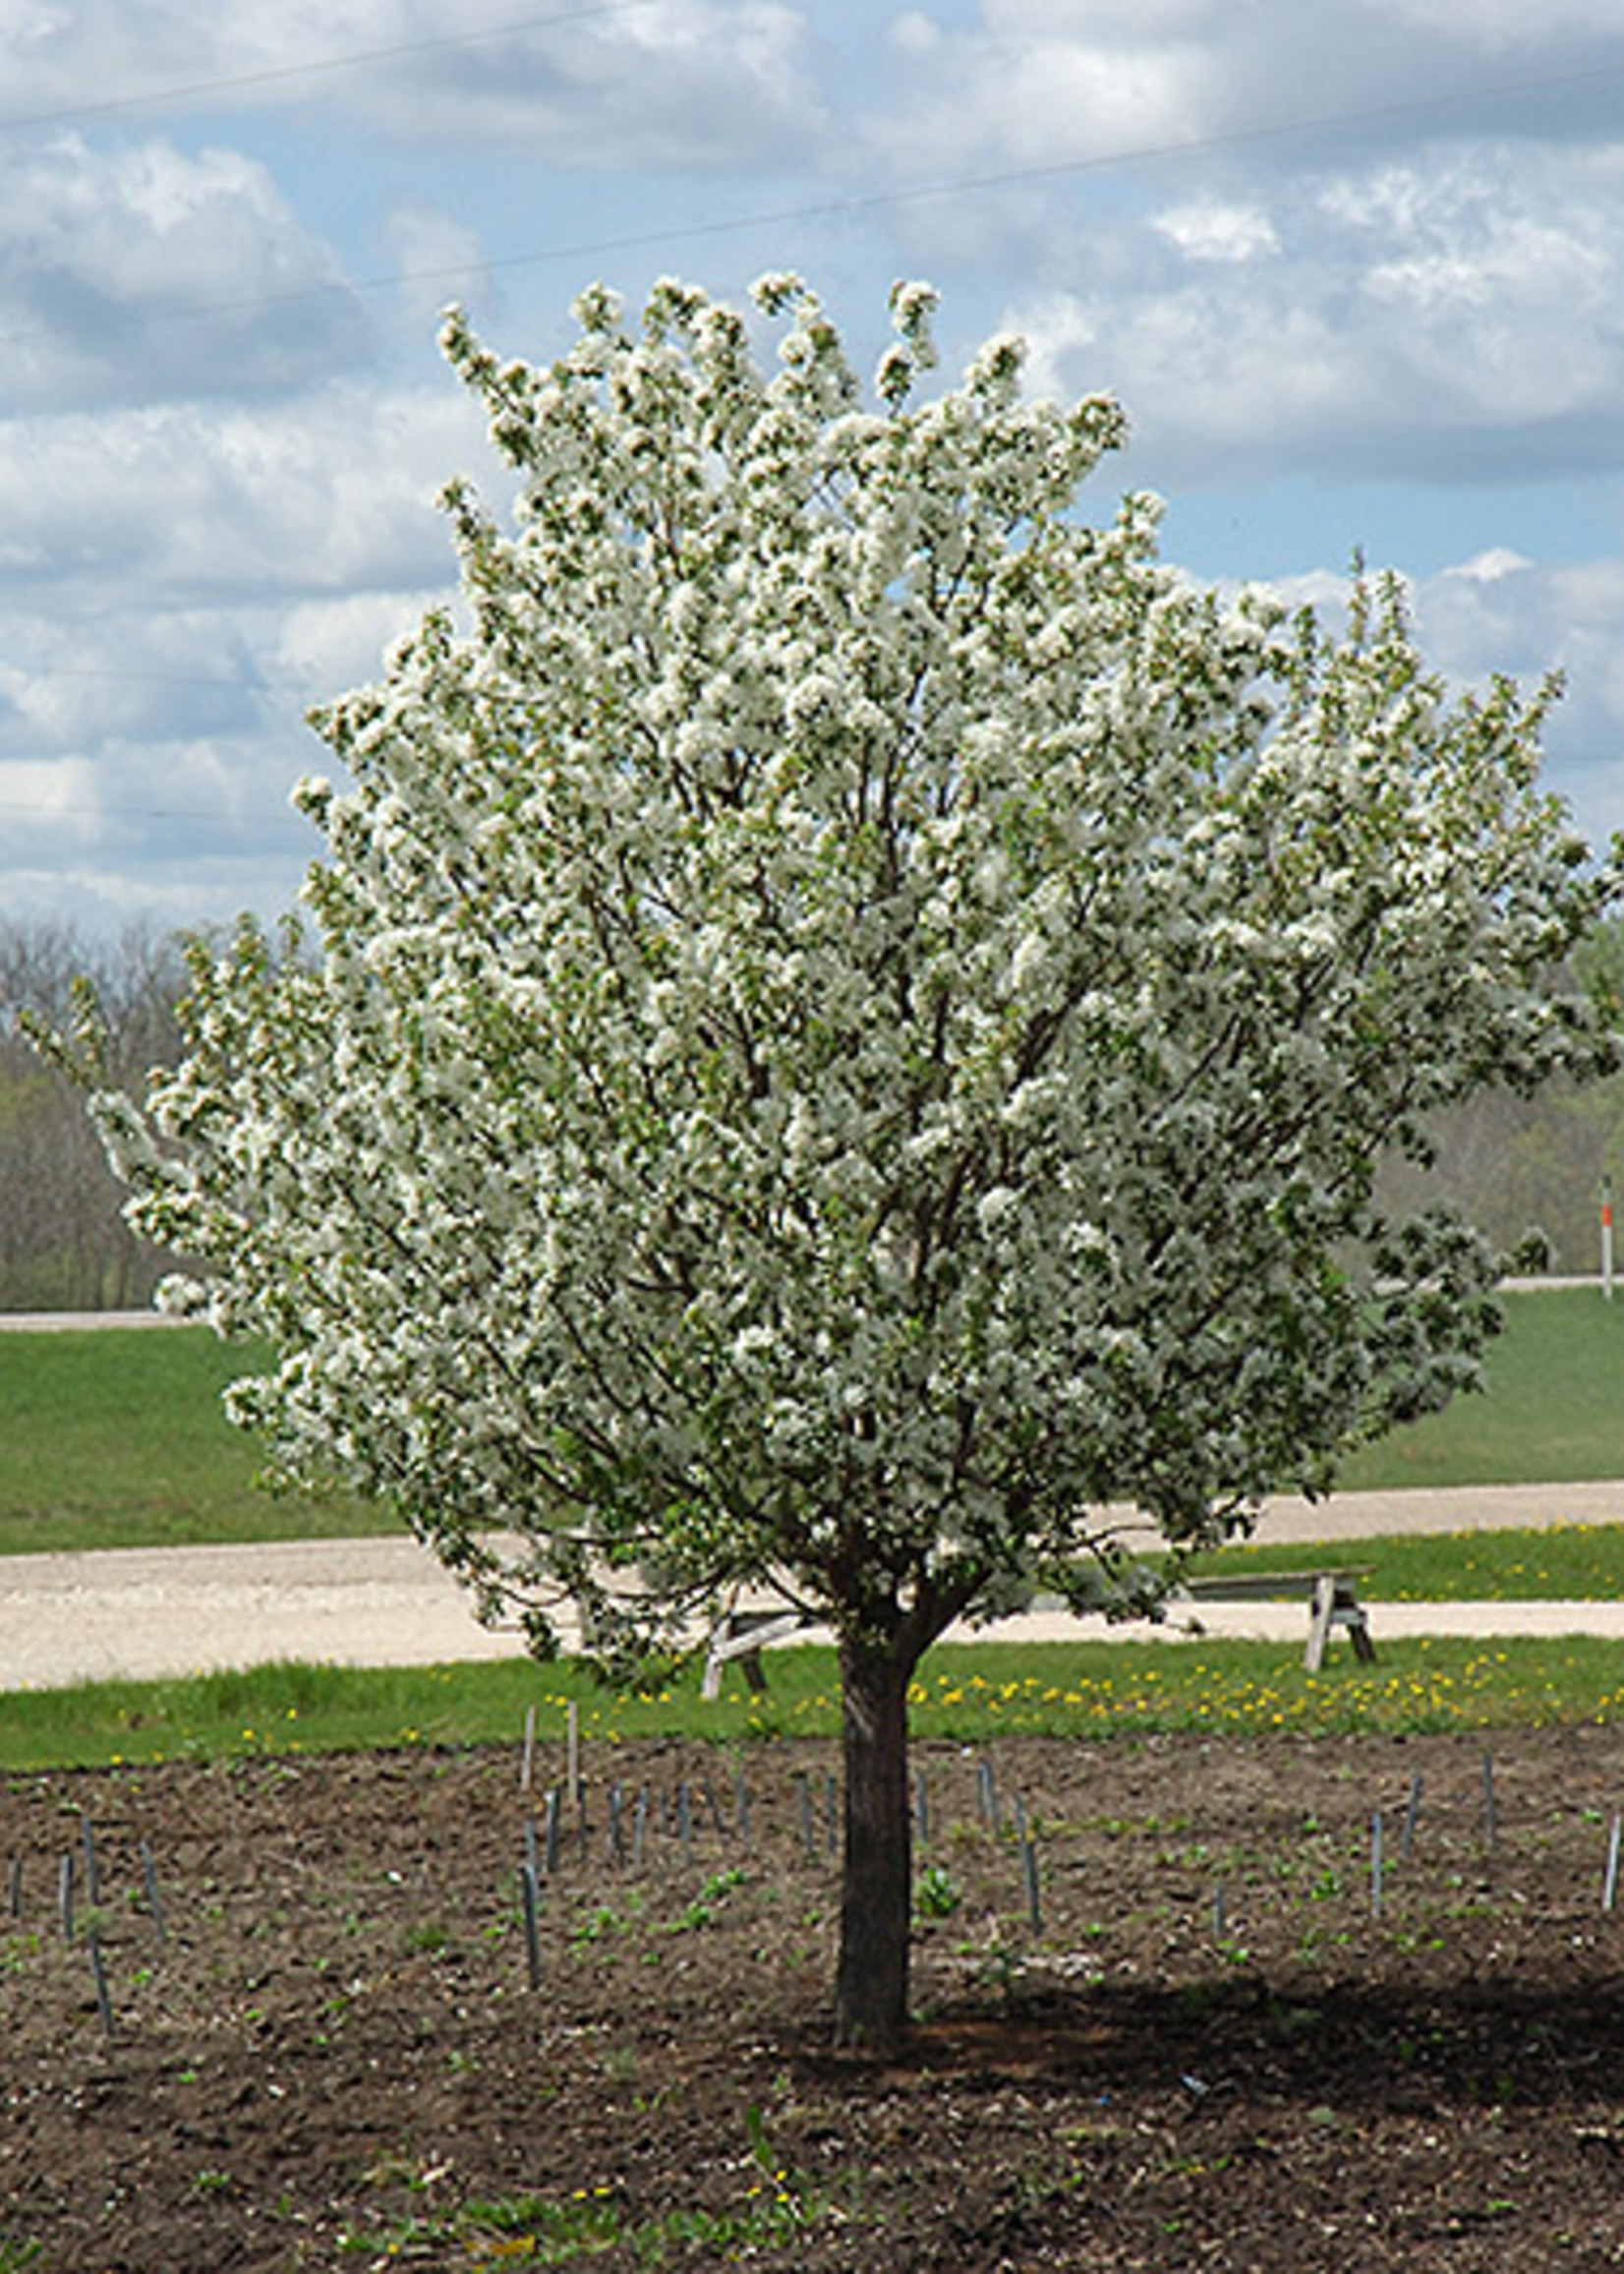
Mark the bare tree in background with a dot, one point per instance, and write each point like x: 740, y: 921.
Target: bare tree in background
x: 64, y: 1245
x: 1530, y: 1171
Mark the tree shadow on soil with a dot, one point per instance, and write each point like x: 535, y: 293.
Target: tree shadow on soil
x: 1345, y: 2046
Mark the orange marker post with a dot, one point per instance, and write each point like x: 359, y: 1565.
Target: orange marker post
x: 1608, y: 1237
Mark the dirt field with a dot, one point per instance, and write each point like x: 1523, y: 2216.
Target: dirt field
x: 1213, y: 2049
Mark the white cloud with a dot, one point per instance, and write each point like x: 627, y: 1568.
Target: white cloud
x: 1508, y: 27
x: 686, y: 83
x: 331, y: 493
x: 177, y: 587
x: 1492, y: 567
x: 1207, y: 230
x: 1455, y: 321
x: 189, y: 829
x: 983, y: 102
x: 1036, y: 81
x: 439, y: 259
x: 325, y: 647
x: 1500, y: 611
x: 106, y: 56
x: 1429, y: 289
x: 146, y: 270
x: 915, y: 34
x: 42, y: 802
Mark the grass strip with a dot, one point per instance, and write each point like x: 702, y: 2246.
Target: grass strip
x: 969, y: 1693
x: 1558, y: 1562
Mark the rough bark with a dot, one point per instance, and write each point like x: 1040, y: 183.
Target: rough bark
x: 871, y: 1983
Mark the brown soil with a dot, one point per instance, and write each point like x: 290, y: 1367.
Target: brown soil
x: 1211, y: 2052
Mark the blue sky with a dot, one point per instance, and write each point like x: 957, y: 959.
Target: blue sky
x: 1357, y: 275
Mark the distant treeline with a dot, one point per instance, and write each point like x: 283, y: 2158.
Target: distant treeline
x: 64, y: 1245
x: 1531, y: 1172
x: 1516, y: 1167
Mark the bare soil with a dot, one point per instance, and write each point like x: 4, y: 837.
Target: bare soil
x: 1210, y: 2049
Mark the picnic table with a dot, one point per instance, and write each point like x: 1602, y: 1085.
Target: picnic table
x: 1332, y: 1595
x: 743, y: 1635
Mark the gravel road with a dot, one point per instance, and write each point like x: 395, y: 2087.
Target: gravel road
x: 155, y: 1611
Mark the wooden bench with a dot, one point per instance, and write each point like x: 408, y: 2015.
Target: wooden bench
x: 743, y: 1635
x: 1332, y: 1596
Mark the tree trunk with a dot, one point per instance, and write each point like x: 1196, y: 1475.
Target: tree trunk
x: 871, y: 1981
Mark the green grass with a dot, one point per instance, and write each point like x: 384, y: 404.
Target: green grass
x: 114, y: 1437
x: 968, y: 1694
x: 1551, y: 1411
x: 1568, y: 1562
x: 773, y: 2210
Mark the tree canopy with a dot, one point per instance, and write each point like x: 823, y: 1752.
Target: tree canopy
x: 852, y: 1019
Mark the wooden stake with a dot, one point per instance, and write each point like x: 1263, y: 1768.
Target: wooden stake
x: 1376, y: 1865
x: 532, y: 1928
x: 104, y: 2003
x: 1034, y: 1893
x: 92, y: 1878
x: 1410, y: 1815
x: 150, y: 1873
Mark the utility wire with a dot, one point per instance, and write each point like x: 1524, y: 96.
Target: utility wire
x: 850, y: 206
x: 21, y: 810
x: 857, y: 204
x: 271, y: 75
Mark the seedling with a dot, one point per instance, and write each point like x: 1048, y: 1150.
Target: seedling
x: 702, y: 1910
x: 937, y: 1895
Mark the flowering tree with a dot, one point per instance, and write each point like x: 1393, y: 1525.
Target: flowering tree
x: 853, y: 1022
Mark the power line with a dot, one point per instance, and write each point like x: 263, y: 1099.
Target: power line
x: 27, y: 810
x: 271, y: 75
x: 848, y: 207
x: 857, y: 204
x: 43, y: 672
x: 600, y: 11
